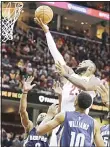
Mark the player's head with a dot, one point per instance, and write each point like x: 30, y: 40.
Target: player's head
x: 85, y: 66
x: 83, y: 101
x: 40, y: 118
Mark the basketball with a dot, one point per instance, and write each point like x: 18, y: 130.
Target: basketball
x: 45, y: 13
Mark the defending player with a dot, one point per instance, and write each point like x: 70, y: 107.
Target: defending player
x: 105, y: 130
x: 79, y: 129
x: 32, y: 139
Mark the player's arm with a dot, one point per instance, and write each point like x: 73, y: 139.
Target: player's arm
x: 51, y: 44
x: 27, y: 124
x: 76, y: 79
x: 83, y: 84
x: 58, y: 90
x: 97, y: 135
x: 103, y: 89
x: 50, y: 125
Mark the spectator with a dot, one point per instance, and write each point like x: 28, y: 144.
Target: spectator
x: 18, y: 75
x: 16, y: 142
x: 29, y: 69
x: 4, y: 136
x: 12, y: 74
x: 104, y: 40
x: 26, y: 50
x: 5, y: 81
x: 73, y: 63
x: 6, y: 62
x: 20, y: 64
x: 4, y: 50
x: 7, y: 142
x: 67, y: 57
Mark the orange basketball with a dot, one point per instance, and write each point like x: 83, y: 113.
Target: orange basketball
x: 45, y: 13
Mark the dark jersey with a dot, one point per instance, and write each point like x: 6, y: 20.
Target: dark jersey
x: 33, y: 140
x: 105, y: 132
x: 78, y: 130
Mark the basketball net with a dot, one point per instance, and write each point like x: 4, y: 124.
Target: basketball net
x: 10, y: 14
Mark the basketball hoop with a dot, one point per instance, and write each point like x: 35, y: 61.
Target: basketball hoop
x: 10, y: 14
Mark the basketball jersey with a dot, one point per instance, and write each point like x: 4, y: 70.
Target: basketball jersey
x: 78, y: 130
x: 105, y: 133
x: 69, y: 92
x: 34, y: 140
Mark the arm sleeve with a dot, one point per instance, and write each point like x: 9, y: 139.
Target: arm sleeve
x: 53, y: 49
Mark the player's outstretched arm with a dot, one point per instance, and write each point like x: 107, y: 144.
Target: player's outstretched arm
x: 50, y: 125
x: 103, y: 89
x: 27, y: 124
x: 51, y: 44
x: 77, y: 80
x: 97, y: 136
x: 58, y: 90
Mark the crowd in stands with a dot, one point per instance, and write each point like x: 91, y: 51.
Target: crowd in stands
x: 24, y: 56
x: 11, y: 139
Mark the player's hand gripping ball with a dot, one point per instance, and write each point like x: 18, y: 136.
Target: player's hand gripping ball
x: 44, y: 13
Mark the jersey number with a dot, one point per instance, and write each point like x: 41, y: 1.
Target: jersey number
x: 37, y: 145
x: 74, y: 90
x: 77, y: 139
x: 106, y: 141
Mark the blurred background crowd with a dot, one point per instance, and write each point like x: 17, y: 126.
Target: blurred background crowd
x: 11, y: 139
x: 24, y: 56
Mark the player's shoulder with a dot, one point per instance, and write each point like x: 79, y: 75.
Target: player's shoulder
x: 105, y: 127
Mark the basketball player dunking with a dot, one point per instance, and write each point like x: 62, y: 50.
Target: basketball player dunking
x: 85, y: 80
x: 79, y: 129
x: 32, y: 139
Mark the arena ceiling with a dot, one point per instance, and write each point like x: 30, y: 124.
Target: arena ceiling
x: 74, y: 19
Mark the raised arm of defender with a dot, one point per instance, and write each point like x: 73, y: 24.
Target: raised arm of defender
x: 43, y: 128
x: 97, y: 135
x: 103, y: 89
x: 27, y: 124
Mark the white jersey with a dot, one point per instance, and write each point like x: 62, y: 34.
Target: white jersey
x: 68, y: 94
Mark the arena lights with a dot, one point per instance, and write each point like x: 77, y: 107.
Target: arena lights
x: 65, y: 17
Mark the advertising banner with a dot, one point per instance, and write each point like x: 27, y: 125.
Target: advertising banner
x: 80, y: 9
x: 33, y: 97
x: 39, y: 98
